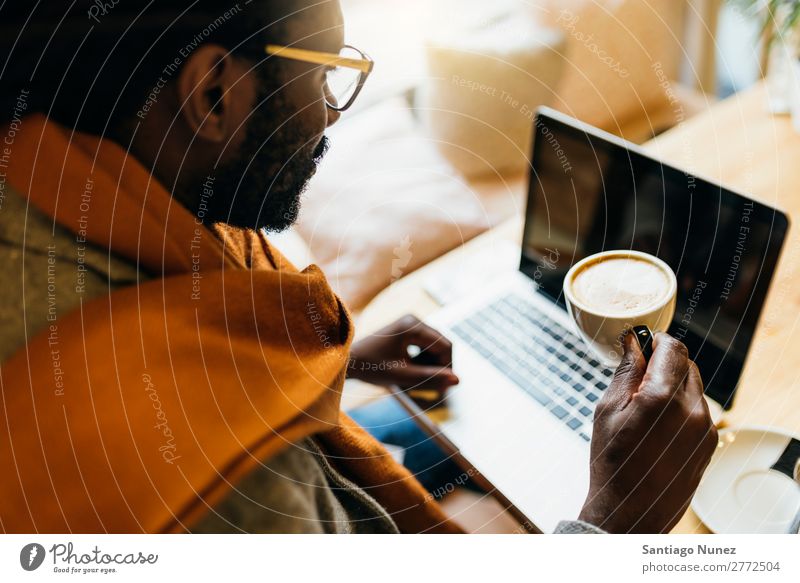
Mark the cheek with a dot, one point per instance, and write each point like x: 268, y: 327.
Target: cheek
x: 307, y: 102
x: 317, y: 123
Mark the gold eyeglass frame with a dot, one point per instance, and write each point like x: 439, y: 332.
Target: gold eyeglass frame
x: 364, y: 65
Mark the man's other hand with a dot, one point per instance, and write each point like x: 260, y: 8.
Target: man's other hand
x: 384, y: 357
x: 652, y: 440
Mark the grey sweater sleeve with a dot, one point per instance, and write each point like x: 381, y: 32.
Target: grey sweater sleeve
x: 296, y: 491
x: 577, y: 527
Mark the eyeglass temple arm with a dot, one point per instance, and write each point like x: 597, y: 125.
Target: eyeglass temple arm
x: 319, y: 58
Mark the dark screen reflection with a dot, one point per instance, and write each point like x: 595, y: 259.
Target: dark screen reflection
x: 590, y: 195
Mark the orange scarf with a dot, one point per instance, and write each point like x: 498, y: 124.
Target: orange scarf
x: 175, y: 389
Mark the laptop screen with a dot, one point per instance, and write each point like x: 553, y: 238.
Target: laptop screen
x: 590, y: 194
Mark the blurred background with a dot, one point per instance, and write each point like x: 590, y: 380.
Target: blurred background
x: 434, y: 151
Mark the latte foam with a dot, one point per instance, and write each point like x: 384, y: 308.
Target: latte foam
x: 619, y: 285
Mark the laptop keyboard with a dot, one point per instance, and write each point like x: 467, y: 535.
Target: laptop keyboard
x: 547, y: 361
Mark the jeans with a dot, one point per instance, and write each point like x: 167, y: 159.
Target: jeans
x: 388, y: 422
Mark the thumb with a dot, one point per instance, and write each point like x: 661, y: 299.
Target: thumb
x: 628, y: 376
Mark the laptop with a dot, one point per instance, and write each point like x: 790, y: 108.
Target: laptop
x: 521, y: 418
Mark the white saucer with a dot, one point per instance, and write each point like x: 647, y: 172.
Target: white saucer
x: 739, y: 492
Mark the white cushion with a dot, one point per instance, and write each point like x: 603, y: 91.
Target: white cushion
x: 485, y: 85
x: 384, y: 202
x: 614, y: 52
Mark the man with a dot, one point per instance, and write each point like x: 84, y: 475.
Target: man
x: 163, y: 368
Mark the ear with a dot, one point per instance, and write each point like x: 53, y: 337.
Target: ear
x: 208, y: 85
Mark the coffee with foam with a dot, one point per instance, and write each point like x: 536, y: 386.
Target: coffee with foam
x: 609, y: 293
x: 619, y: 285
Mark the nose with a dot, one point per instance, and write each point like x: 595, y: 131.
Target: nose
x: 333, y: 116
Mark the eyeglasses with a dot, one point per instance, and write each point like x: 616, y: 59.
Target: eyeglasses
x: 347, y: 73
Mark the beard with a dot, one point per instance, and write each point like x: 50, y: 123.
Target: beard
x: 262, y: 188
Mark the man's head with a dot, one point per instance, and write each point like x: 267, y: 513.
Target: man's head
x: 189, y: 91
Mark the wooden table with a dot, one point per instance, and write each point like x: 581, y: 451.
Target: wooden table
x: 738, y: 143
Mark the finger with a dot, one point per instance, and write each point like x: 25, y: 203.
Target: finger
x: 425, y: 377
x: 668, y: 369
x: 694, y: 382
x: 399, y: 328
x: 435, y: 347
x: 694, y: 389
x: 628, y: 376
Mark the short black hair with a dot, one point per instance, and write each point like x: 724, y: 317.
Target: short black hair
x: 92, y: 65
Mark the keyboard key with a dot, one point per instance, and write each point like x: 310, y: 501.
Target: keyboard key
x: 537, y: 394
x: 539, y: 355
x: 586, y: 437
x: 574, y: 423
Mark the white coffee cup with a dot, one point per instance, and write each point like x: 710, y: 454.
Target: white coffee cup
x: 604, y: 324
